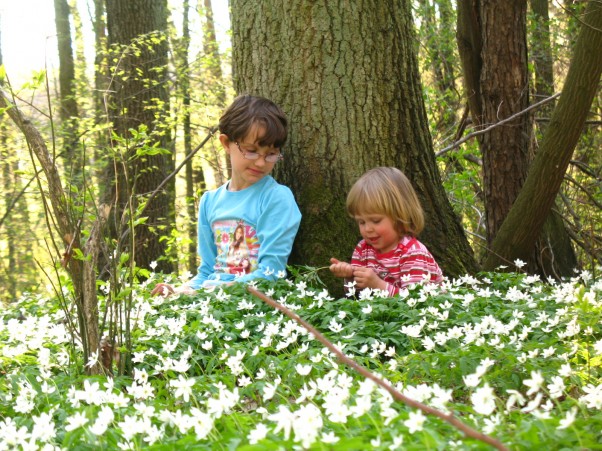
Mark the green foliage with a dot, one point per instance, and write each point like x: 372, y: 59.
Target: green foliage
x: 509, y: 355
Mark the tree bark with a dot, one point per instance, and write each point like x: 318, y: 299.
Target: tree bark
x: 347, y: 77
x: 8, y: 194
x: 541, y: 52
x: 504, y: 87
x: 524, y: 223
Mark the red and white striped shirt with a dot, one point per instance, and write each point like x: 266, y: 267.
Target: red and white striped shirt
x: 410, y: 262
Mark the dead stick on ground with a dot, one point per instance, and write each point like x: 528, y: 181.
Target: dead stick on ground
x: 470, y: 432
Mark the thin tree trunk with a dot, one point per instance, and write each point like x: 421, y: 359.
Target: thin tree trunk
x: 554, y: 252
x: 214, y: 59
x: 504, y: 89
x: 68, y: 110
x: 140, y: 99
x: 183, y: 75
x: 8, y: 192
x: 215, y: 78
x: 84, y: 290
x: 6, y: 179
x: 541, y: 53
x: 101, y: 81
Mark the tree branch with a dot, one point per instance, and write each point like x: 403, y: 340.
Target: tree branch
x: 497, y: 124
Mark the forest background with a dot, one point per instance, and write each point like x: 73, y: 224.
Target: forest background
x: 458, y: 95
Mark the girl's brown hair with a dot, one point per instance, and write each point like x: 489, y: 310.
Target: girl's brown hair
x: 246, y: 111
x: 387, y: 191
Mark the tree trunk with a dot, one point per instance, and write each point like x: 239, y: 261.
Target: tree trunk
x: 10, y: 283
x: 183, y: 73
x: 541, y: 53
x: 141, y: 99
x: 504, y: 87
x: 101, y: 80
x: 524, y: 223
x: 68, y: 110
x: 214, y: 76
x: 436, y: 35
x: 213, y: 57
x: 554, y: 251
x: 347, y: 77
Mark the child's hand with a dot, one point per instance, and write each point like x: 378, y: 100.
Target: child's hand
x: 367, y: 278
x: 163, y: 289
x: 166, y: 290
x: 341, y: 269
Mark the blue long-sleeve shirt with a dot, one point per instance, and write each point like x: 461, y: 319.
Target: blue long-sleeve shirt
x: 245, y: 235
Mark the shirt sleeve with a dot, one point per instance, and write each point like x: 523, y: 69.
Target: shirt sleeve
x: 416, y: 265
x: 277, y: 227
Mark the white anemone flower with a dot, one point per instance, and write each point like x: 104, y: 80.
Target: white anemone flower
x: 483, y: 400
x: 472, y: 380
x: 593, y: 398
x: 307, y: 425
x: 284, y: 419
x: 269, y: 390
x: 568, y: 419
x: 556, y: 388
x: 303, y: 370
x: 75, y: 421
x: 534, y: 383
x: 598, y: 347
x: 183, y: 387
x: 415, y: 421
x: 259, y: 433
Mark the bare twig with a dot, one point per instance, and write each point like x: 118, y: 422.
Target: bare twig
x: 497, y: 124
x: 449, y: 418
x: 13, y: 203
x: 212, y: 130
x: 586, y: 169
x: 591, y: 196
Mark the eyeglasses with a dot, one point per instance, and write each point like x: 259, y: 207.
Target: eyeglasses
x: 269, y: 158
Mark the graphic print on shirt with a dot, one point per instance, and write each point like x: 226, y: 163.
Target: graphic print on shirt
x: 237, y: 247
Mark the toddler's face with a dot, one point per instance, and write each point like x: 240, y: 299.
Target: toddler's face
x: 378, y: 231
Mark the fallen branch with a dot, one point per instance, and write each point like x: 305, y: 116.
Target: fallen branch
x: 449, y: 418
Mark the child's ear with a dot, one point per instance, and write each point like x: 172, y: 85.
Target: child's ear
x: 225, y: 142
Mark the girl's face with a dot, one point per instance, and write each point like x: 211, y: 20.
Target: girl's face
x: 379, y: 231
x: 238, y: 234
x: 246, y: 172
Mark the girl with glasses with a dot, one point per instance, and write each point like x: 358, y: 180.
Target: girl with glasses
x: 251, y: 206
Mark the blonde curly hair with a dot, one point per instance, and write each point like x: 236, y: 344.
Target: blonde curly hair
x: 387, y: 191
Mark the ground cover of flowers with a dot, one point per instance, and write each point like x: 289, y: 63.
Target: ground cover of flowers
x: 509, y: 355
